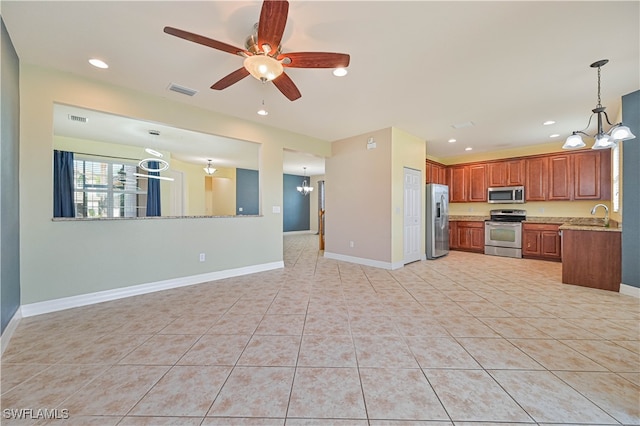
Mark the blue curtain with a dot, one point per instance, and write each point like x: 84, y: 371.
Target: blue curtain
x: 153, y: 191
x: 63, y: 184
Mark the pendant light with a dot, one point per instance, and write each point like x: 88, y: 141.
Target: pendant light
x: 305, y: 189
x: 209, y: 169
x: 603, y: 140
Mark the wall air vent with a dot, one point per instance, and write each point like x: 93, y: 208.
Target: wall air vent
x: 77, y: 118
x: 181, y: 89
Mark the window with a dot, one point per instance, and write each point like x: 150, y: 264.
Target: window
x: 615, y: 177
x: 107, y: 189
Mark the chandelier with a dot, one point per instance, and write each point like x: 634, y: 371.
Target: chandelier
x: 305, y: 188
x: 209, y: 169
x: 617, y: 132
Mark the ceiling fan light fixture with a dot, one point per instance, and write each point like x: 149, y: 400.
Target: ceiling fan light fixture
x: 263, y: 110
x: 263, y: 67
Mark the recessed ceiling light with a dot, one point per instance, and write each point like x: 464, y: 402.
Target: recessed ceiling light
x: 468, y: 148
x: 555, y: 135
x: 340, y: 72
x: 548, y: 123
x: 263, y: 112
x: 98, y: 63
x: 451, y: 140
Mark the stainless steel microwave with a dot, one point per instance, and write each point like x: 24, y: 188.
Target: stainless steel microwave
x: 506, y: 195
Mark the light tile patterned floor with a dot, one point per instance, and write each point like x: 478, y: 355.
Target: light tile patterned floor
x: 466, y: 338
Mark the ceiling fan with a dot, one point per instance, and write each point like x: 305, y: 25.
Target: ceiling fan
x: 263, y: 57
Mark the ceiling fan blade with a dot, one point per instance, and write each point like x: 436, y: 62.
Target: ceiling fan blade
x: 273, y: 19
x: 315, y: 60
x: 205, y: 41
x: 230, y: 79
x: 287, y: 87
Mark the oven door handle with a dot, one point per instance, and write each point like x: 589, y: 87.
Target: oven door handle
x: 512, y: 224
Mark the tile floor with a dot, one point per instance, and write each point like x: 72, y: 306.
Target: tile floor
x: 466, y: 338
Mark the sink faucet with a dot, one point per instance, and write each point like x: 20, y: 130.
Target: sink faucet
x: 606, y: 213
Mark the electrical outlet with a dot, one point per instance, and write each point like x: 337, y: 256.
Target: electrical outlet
x: 202, y: 257
x: 352, y: 244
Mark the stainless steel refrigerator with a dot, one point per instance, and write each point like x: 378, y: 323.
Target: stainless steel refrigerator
x: 437, y: 220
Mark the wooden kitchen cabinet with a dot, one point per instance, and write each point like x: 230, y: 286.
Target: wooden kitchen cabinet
x: 436, y: 173
x: 541, y: 241
x: 457, y: 181
x: 592, y: 175
x: 559, y: 178
x: 477, y: 182
x: 453, y: 235
x: 536, y: 179
x: 581, y: 175
x: 469, y: 236
x: 506, y: 173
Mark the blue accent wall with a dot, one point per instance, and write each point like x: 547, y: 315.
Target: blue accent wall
x: 9, y: 191
x: 631, y: 191
x: 247, y: 192
x: 296, y: 207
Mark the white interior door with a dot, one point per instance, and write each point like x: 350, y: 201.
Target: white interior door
x: 412, y: 215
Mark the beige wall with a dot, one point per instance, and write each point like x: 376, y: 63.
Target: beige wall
x: 358, y: 197
x: 67, y: 258
x: 364, y: 196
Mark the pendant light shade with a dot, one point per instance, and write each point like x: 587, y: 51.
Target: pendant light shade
x: 574, y: 142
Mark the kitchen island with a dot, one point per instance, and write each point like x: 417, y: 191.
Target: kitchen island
x: 591, y: 256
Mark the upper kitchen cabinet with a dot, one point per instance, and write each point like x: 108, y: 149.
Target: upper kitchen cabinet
x: 535, y: 182
x: 592, y: 175
x: 467, y: 183
x: 581, y: 175
x: 436, y: 172
x: 559, y: 184
x: 458, y: 182
x: 505, y: 173
x: 477, y: 182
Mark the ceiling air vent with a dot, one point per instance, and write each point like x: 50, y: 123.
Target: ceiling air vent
x: 181, y: 89
x: 77, y: 118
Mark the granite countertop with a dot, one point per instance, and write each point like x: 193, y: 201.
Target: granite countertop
x: 460, y: 218
x: 578, y: 223
x: 570, y: 223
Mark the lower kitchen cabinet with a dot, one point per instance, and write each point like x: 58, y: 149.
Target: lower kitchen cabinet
x: 453, y: 235
x: 468, y: 236
x: 541, y: 241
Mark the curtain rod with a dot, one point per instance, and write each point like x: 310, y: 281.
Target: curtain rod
x: 106, y: 156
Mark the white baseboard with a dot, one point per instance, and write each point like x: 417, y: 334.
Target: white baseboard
x: 630, y: 290
x: 9, y: 330
x: 47, y: 306
x: 364, y: 261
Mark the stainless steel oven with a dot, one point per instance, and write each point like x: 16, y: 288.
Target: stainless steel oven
x: 503, y: 233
